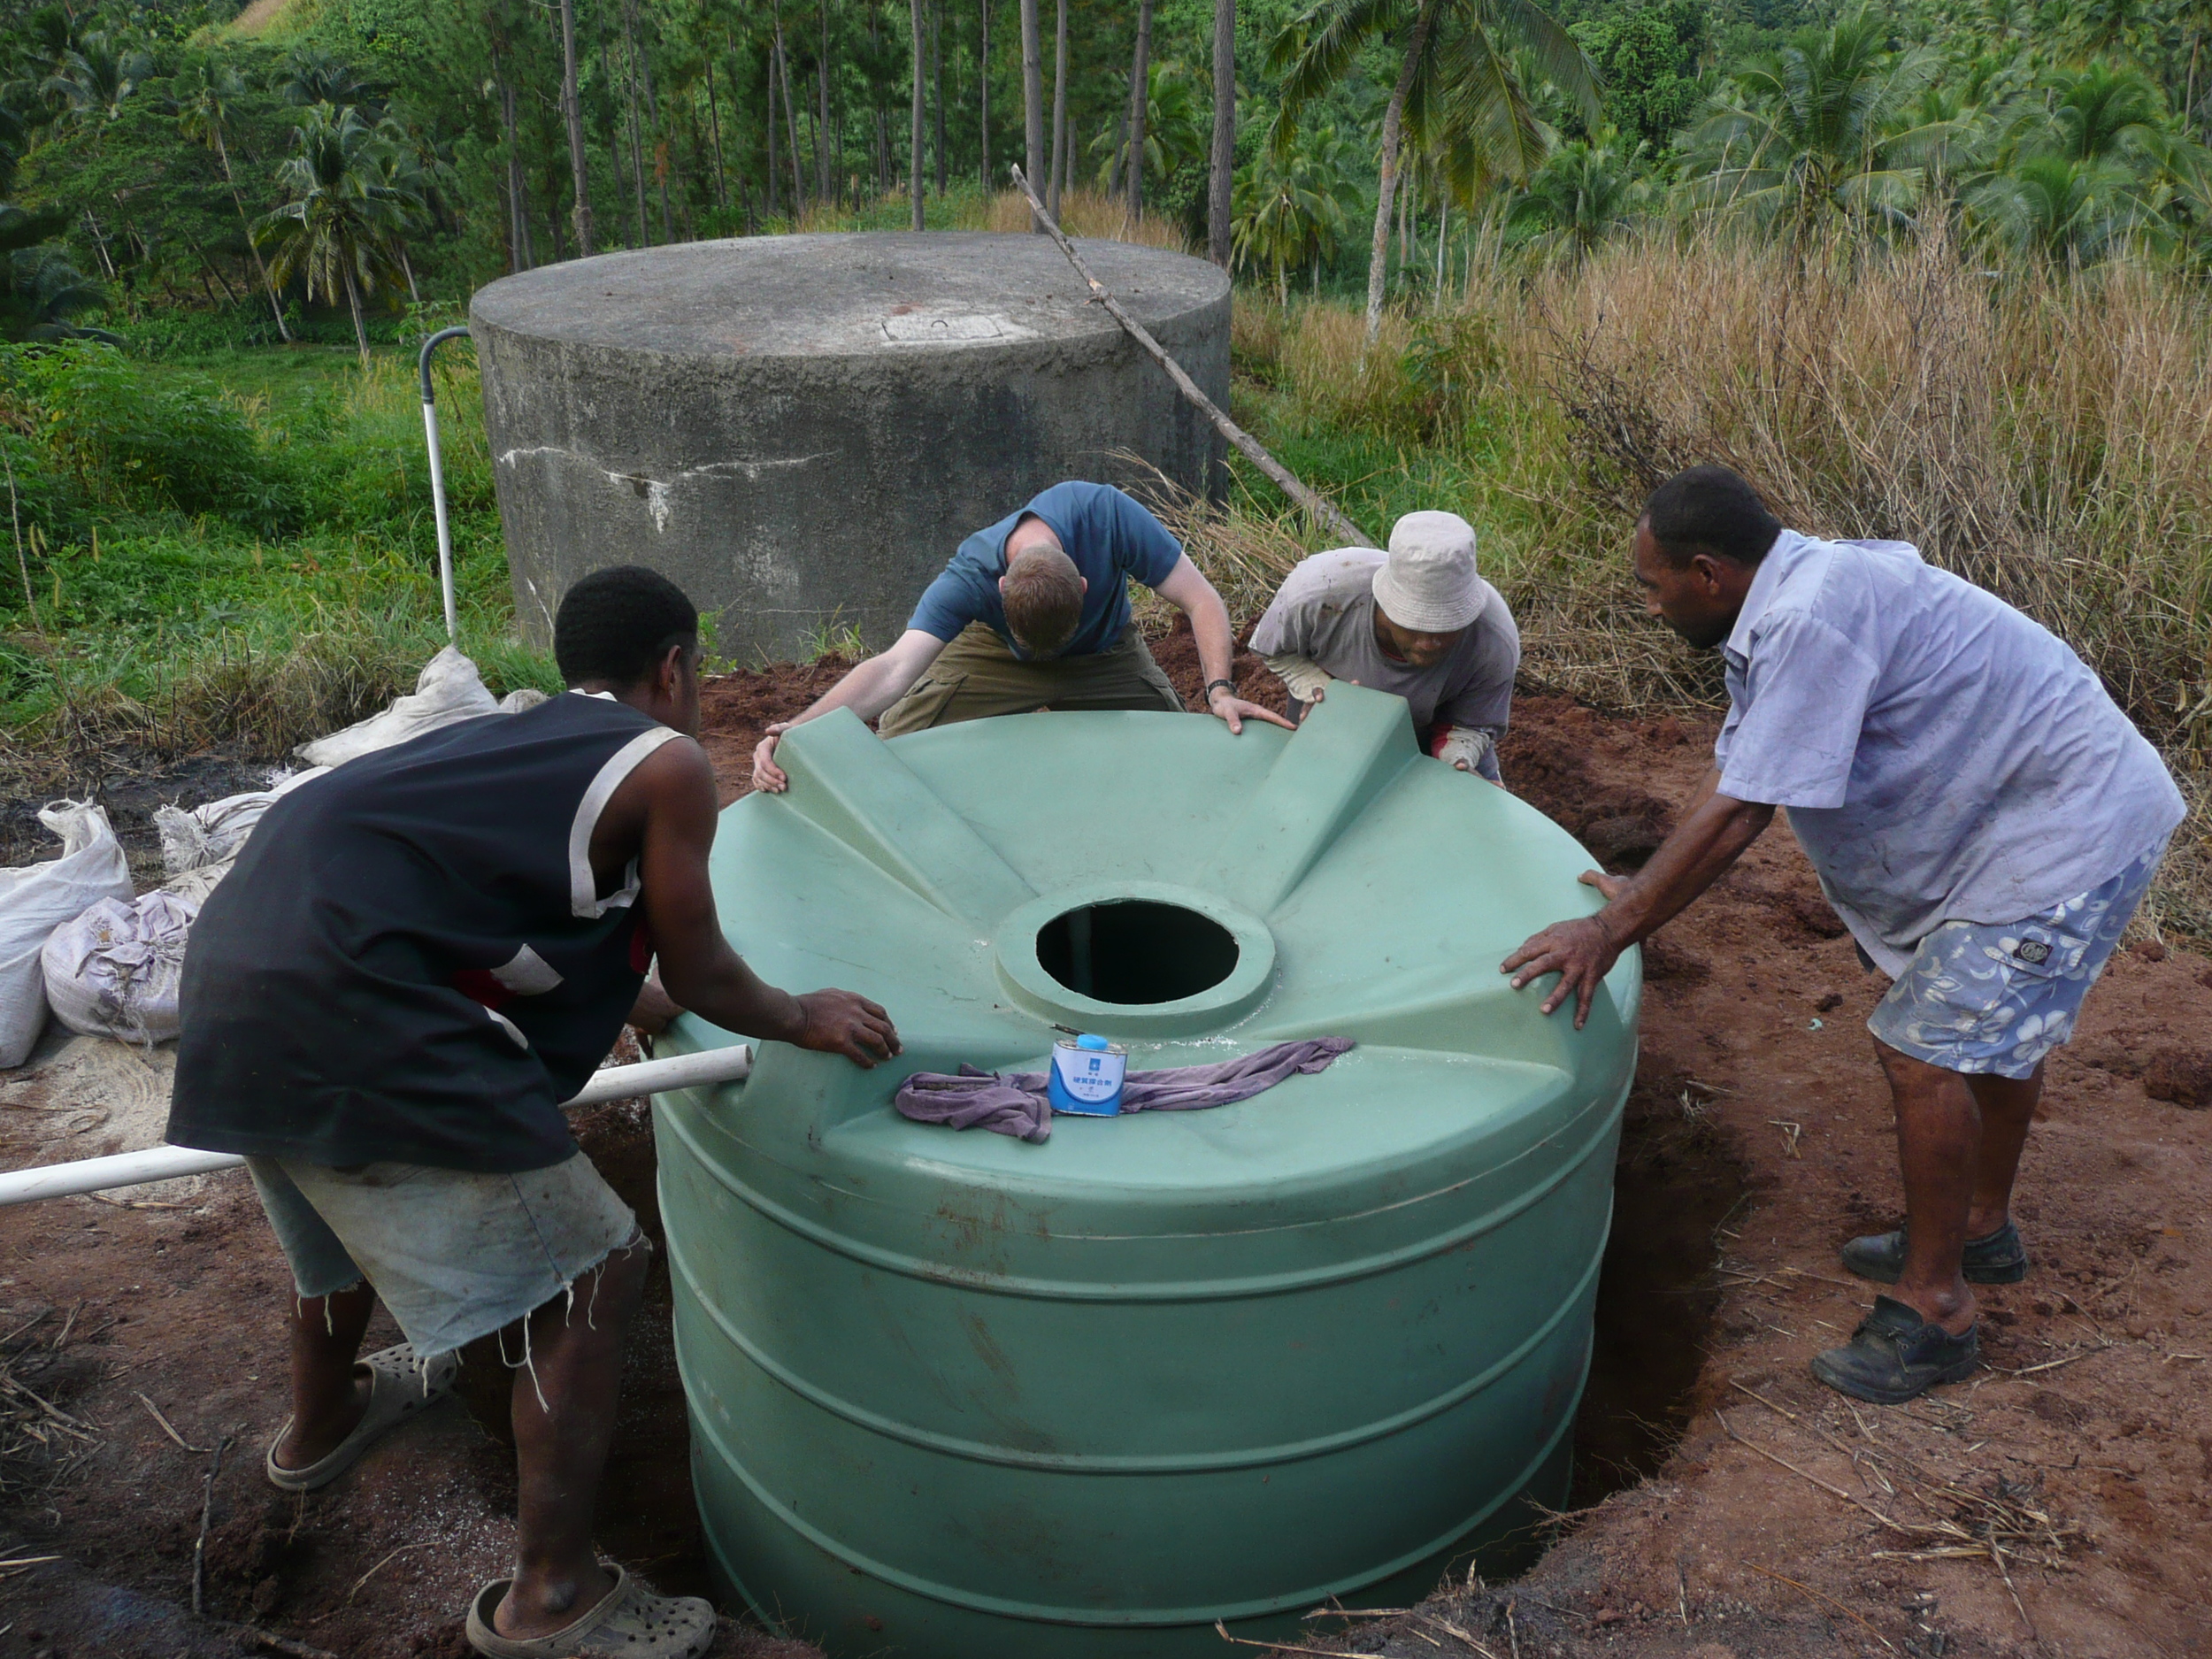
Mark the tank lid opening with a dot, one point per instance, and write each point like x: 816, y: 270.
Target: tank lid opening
x: 1136, y: 951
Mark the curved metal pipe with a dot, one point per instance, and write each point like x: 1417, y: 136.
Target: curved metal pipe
x: 437, y: 477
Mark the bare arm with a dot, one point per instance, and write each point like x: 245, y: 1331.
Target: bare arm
x: 867, y: 690
x: 1187, y: 589
x: 1711, y: 836
x: 665, y: 809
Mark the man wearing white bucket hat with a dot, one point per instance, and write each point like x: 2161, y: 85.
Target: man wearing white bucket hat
x: 1417, y: 621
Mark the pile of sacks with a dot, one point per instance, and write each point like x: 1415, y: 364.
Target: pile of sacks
x: 73, y: 938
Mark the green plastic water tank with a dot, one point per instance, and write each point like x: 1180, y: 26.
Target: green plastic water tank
x: 957, y: 1396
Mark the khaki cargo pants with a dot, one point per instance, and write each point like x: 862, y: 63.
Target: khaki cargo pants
x: 976, y: 677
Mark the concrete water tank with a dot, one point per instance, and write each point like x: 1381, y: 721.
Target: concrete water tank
x: 957, y: 1396
x: 800, y: 429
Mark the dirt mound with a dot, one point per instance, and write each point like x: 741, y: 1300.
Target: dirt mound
x: 1757, y: 1140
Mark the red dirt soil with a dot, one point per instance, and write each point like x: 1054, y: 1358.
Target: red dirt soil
x: 1758, y: 1140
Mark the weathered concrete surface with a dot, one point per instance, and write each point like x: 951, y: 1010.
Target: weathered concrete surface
x: 800, y: 429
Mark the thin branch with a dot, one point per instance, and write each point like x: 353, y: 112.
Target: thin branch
x: 1318, y: 507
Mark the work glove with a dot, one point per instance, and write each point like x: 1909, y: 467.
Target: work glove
x: 1305, y: 678
x: 1468, y: 748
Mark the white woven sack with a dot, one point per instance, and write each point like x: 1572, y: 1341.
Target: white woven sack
x: 202, y: 835
x: 39, y: 898
x: 449, y: 689
x: 113, y: 971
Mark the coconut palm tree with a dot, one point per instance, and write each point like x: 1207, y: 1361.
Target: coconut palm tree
x: 1582, y: 194
x: 1290, y: 211
x: 313, y: 75
x: 40, y: 289
x: 202, y: 101
x: 340, y: 222
x: 2070, y: 212
x: 96, y: 76
x: 408, y: 184
x: 1824, y: 126
x: 2102, y: 111
x: 1458, y: 95
x: 1175, y: 126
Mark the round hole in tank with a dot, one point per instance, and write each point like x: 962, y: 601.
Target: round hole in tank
x: 1136, y: 951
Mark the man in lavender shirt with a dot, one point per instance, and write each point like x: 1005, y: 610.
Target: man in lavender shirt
x: 1984, y: 818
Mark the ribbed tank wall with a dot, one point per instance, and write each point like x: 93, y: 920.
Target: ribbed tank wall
x: 955, y: 1397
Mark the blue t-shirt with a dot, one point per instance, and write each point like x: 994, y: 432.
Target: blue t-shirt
x: 1109, y: 537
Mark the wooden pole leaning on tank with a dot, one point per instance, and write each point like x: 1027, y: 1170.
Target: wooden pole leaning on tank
x: 1320, y: 509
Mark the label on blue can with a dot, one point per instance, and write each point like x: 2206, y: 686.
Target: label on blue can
x: 1087, y: 1076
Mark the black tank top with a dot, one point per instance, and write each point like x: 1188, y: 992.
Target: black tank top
x: 412, y: 959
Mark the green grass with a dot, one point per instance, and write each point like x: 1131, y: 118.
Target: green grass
x: 150, y: 627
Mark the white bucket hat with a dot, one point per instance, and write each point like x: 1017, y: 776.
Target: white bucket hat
x: 1429, y: 584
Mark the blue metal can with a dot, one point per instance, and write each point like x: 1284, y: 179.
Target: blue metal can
x: 1088, y: 1072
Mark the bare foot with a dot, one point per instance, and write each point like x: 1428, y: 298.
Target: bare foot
x: 557, y: 1603
x: 308, y: 1443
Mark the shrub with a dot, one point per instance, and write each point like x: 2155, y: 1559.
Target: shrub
x: 137, y: 443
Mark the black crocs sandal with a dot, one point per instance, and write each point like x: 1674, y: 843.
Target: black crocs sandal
x: 1998, y: 1259
x: 1896, y: 1356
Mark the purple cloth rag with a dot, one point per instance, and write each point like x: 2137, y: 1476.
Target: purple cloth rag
x: 1015, y: 1103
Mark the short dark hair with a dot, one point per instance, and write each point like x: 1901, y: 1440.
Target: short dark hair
x: 616, y: 624
x: 1709, y: 509
x: 1043, y: 600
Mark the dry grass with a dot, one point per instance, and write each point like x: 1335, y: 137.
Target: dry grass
x: 1086, y: 212
x: 263, y: 698
x: 2048, y: 437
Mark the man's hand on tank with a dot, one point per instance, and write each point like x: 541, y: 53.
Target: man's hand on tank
x: 1581, y: 951
x: 839, y: 1022
x: 766, y: 774
x: 654, y: 1009
x: 1234, y: 711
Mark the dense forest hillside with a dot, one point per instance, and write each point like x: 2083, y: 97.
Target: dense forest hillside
x: 359, y: 154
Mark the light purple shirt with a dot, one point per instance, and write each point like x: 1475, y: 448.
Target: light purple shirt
x: 1942, y: 757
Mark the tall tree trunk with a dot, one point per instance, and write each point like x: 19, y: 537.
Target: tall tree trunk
x: 791, y: 120
x: 407, y: 269
x: 822, y: 132
x: 353, y: 300
x: 983, y: 78
x: 1032, y: 104
x: 1114, y: 156
x: 1059, y: 107
x: 573, y: 115
x: 1386, y: 180
x: 714, y: 126
x: 517, y: 197
x: 100, y: 244
x: 1443, y: 218
x: 914, y: 151
x: 1223, y: 164
x: 1140, y: 96
x: 937, y: 75
x: 208, y: 265
x: 222, y: 154
x: 772, y: 174
x: 644, y: 70
x: 637, y: 130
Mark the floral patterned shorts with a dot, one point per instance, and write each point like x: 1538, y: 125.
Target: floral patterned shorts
x: 1980, y: 997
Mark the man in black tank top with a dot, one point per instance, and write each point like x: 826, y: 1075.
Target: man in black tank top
x: 415, y: 959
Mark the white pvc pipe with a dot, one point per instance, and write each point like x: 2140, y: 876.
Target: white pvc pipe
x: 730, y: 1064
x: 445, y: 530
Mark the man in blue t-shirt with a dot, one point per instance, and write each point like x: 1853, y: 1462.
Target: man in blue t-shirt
x: 1033, y: 612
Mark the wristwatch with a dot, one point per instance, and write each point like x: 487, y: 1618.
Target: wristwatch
x: 1229, y: 685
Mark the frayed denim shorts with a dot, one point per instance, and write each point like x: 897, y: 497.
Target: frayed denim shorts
x: 1988, y: 997
x: 453, y: 1255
